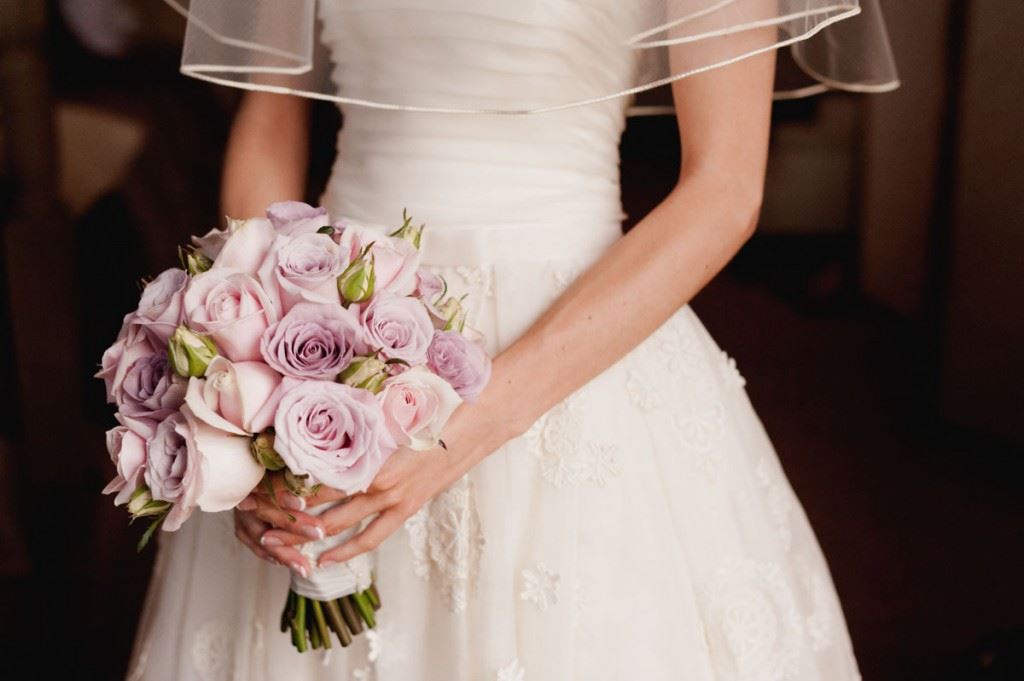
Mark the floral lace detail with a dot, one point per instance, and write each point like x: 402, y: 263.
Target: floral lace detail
x: 540, y: 586
x: 778, y: 499
x: 566, y: 457
x: 446, y: 537
x: 819, y: 623
x: 700, y: 428
x: 672, y: 361
x: 561, y: 278
x: 753, y: 625
x: 211, y: 647
x: 513, y: 671
x: 362, y: 674
x: 730, y: 372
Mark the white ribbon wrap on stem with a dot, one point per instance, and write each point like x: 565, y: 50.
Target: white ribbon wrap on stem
x: 333, y: 581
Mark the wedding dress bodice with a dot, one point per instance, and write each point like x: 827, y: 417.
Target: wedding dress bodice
x: 461, y: 170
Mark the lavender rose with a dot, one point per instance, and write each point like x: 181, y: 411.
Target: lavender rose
x: 397, y: 326
x: 128, y: 454
x: 303, y: 268
x: 461, y: 362
x: 332, y: 432
x: 314, y: 340
x: 395, y: 261
x: 150, y: 389
x: 192, y: 465
x: 231, y: 307
x: 160, y: 308
x: 131, y: 344
x: 294, y: 217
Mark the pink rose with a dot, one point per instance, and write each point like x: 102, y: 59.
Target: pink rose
x: 395, y: 261
x: 429, y: 286
x: 150, y: 389
x: 193, y: 465
x: 398, y: 327
x: 233, y: 308
x: 417, y: 404
x: 231, y: 394
x: 302, y: 268
x: 246, y: 246
x: 461, y: 362
x: 128, y: 454
x: 313, y: 340
x: 332, y: 432
x: 160, y: 308
x: 294, y: 217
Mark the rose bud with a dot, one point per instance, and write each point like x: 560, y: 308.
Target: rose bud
x: 408, y: 232
x: 189, y: 352
x: 453, y: 314
x: 142, y: 504
x: 356, y: 283
x: 367, y: 373
x: 299, y: 485
x: 263, y: 451
x: 193, y: 260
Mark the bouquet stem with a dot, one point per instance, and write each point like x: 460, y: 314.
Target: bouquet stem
x: 311, y: 622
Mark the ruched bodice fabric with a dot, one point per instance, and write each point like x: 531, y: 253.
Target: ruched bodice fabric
x: 465, y: 169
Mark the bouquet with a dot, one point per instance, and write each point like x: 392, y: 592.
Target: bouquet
x: 289, y: 345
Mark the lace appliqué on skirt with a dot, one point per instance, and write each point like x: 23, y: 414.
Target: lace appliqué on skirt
x: 447, y: 541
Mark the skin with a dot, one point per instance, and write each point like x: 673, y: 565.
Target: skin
x: 724, y: 120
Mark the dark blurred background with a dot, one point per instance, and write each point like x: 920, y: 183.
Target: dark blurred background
x: 876, y: 315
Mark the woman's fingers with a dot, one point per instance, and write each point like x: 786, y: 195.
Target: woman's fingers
x: 274, y: 537
x: 293, y: 502
x: 295, y: 522
x: 324, y: 494
x: 286, y: 555
x: 348, y: 514
x: 248, y: 529
x: 376, y: 532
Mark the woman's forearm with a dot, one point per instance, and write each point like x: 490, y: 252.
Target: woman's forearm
x: 646, y: 276
x: 629, y: 292
x: 267, y: 154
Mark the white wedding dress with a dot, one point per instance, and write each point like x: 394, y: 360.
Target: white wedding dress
x: 642, y: 529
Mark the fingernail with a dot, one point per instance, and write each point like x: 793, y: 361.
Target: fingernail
x: 300, y: 568
x: 247, y: 504
x: 293, y: 502
x: 313, y: 532
x: 267, y: 540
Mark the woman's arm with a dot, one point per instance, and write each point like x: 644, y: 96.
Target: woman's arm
x: 267, y: 154
x: 645, y: 277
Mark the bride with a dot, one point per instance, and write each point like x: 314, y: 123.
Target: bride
x: 610, y: 507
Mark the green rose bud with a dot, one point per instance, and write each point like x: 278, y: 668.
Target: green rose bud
x: 299, y: 484
x: 193, y: 260
x: 262, y: 447
x: 367, y: 373
x: 408, y: 232
x: 189, y: 352
x: 453, y: 313
x: 357, y: 281
x: 142, y: 504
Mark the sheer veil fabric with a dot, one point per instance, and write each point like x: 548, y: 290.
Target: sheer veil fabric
x: 274, y: 45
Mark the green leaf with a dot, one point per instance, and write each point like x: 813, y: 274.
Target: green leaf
x: 326, y: 229
x: 148, y: 534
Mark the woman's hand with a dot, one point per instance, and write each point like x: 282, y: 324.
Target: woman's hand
x: 404, y: 484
